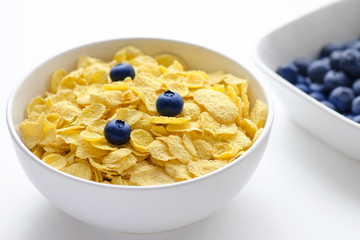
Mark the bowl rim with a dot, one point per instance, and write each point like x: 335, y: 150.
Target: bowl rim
x: 258, y: 61
x: 16, y: 139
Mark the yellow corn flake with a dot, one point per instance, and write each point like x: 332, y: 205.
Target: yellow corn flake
x: 203, y: 149
x: 66, y: 110
x: 131, y: 116
x: 56, y: 160
x: 145, y: 174
x: 108, y: 98
x: 216, y: 77
x: 190, y: 126
x: 103, y: 144
x: 195, y: 79
x: 257, y: 134
x: 167, y: 60
x: 56, y: 78
x: 149, y: 98
x: 96, y: 73
x: 65, y: 127
x: 140, y: 140
x: 250, y: 127
x: 202, y: 167
x: 178, y: 87
x: 258, y: 113
x: 160, y: 151
x: 71, y: 134
x: 159, y: 130
x: 177, y: 148
x: 116, y: 86
x: 119, y: 160
x: 191, y: 110
x: 169, y: 120
x: 146, y: 64
x: 121, y: 181
x: 80, y: 170
x: 90, y: 113
x: 218, y: 104
x: 86, y: 150
x: 127, y: 53
x: 240, y: 141
x: 147, y: 81
x: 189, y: 145
x: 177, y: 170
x: 222, y: 150
x: 208, y: 123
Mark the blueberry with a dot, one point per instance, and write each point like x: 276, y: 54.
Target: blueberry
x: 329, y: 104
x: 351, y: 62
x: 303, y: 80
x: 302, y: 64
x: 303, y: 87
x: 342, y: 98
x: 288, y: 71
x: 117, y: 132
x: 356, y: 118
x: 317, y: 70
x: 356, y: 45
x: 122, y: 71
x: 356, y: 87
x: 336, y: 60
x: 329, y: 48
x: 169, y: 104
x: 317, y: 87
x: 355, y: 106
x: 318, y: 96
x: 333, y: 79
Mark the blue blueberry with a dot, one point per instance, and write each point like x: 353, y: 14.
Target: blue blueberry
x: 318, y: 96
x: 356, y: 87
x: 329, y: 48
x: 356, y: 118
x: 356, y: 45
x: 317, y: 87
x: 302, y: 64
x: 122, y: 71
x: 169, y: 104
x: 303, y: 80
x: 342, y: 98
x: 336, y: 60
x: 303, y: 87
x: 351, y: 62
x: 317, y: 70
x: 289, y: 72
x: 117, y: 132
x: 355, y: 106
x: 329, y: 104
x: 333, y: 79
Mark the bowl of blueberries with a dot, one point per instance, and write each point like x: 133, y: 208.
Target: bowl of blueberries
x: 313, y: 64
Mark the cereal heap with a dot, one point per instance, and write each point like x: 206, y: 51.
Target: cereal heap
x: 66, y: 127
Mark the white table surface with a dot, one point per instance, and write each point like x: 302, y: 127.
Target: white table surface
x: 302, y: 189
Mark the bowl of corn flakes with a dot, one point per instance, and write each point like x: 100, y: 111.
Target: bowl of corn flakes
x: 140, y: 135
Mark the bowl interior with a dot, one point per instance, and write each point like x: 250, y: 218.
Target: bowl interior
x: 195, y: 57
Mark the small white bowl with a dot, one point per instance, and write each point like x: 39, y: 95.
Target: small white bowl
x: 135, y: 209
x: 303, y: 37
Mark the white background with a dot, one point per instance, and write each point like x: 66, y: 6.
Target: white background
x: 302, y: 189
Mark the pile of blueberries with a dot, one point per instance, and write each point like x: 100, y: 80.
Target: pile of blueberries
x: 333, y: 77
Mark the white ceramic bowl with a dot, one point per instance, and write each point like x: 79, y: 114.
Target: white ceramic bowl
x: 134, y: 209
x: 303, y: 37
